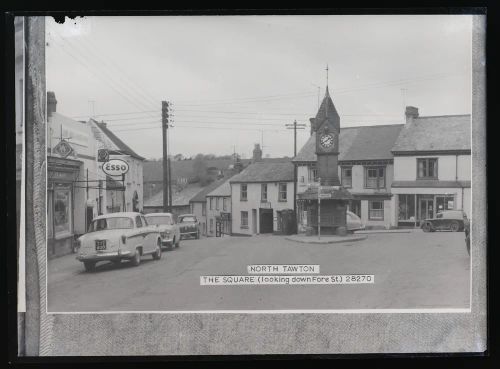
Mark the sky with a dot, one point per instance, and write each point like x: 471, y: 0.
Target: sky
x: 234, y: 81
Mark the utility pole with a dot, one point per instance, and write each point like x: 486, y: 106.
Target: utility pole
x: 295, y: 127
x: 164, y: 121
x: 169, y: 187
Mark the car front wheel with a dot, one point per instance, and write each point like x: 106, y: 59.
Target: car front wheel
x: 89, y: 266
x: 427, y: 227
x: 157, y: 253
x: 136, y: 260
x: 454, y: 227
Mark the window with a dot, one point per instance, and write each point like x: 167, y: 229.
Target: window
x: 244, y: 219
x: 217, y: 203
x: 376, y: 210
x: 313, y: 174
x: 138, y: 222
x: 111, y: 223
x: 203, y: 208
x: 347, y: 177
x: 224, y: 204
x: 243, y: 192
x: 211, y: 203
x: 263, y: 192
x: 145, y: 222
x: 282, y: 192
x: 427, y: 168
x: 159, y: 219
x: 62, y: 212
x: 406, y: 208
x: 211, y: 225
x: 302, y: 179
x: 374, y: 177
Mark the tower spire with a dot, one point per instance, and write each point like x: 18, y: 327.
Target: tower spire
x: 326, y: 76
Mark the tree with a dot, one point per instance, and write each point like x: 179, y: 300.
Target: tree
x: 200, y: 170
x: 178, y: 157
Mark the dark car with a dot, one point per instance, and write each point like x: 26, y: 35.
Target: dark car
x: 189, y: 226
x: 451, y: 220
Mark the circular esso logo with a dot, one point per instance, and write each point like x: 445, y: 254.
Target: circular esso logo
x: 115, y: 167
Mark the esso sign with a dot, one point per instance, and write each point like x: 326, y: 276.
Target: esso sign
x: 115, y: 167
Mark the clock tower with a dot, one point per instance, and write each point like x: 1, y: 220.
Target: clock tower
x: 327, y: 127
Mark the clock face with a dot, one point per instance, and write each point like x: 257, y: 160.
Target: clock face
x: 327, y: 140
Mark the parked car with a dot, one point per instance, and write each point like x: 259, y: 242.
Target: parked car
x: 168, y: 228
x: 467, y: 234
x: 452, y: 220
x: 354, y: 222
x: 189, y: 226
x: 117, y: 236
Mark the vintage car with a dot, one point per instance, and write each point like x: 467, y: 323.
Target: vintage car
x: 169, y: 230
x: 189, y: 226
x: 452, y: 220
x: 354, y: 222
x: 117, y: 236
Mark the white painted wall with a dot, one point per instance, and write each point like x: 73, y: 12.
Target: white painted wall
x: 214, y: 213
x: 405, y: 167
x: 254, y: 202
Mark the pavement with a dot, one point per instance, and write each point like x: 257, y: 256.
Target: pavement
x: 325, y: 239
x: 412, y: 271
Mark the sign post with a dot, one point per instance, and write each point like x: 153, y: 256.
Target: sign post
x: 319, y: 209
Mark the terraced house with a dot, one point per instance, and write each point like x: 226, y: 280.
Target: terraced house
x: 432, y: 167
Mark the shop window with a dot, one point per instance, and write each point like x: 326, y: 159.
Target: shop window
x: 244, y: 219
x: 445, y: 202
x: 427, y: 168
x: 62, y: 212
x: 282, y: 192
x: 375, y: 177
x: 243, y: 192
x: 376, y: 210
x: 263, y: 192
x: 347, y: 177
x: 406, y: 210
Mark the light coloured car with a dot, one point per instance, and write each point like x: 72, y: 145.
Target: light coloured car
x: 354, y: 222
x: 189, y: 226
x: 168, y: 228
x: 118, y: 236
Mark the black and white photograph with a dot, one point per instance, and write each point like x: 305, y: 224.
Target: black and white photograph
x: 259, y: 164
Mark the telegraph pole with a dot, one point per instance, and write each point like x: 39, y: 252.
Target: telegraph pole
x: 164, y: 125
x: 295, y: 127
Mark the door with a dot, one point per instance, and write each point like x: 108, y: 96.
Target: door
x: 426, y: 208
x: 266, y: 220
x: 150, y: 233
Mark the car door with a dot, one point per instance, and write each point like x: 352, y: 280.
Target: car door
x: 150, y: 234
x: 439, y: 222
x: 139, y: 234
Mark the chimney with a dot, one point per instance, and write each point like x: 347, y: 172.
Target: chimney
x: 51, y: 103
x: 313, y: 125
x: 411, y: 113
x: 257, y: 153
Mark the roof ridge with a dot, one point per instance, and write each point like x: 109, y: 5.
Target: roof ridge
x: 443, y: 116
x: 375, y: 125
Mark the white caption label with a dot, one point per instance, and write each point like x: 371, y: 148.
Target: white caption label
x: 283, y: 269
x: 238, y: 280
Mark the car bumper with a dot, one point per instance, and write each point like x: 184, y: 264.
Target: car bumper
x: 105, y: 256
x: 167, y: 241
x: 189, y: 233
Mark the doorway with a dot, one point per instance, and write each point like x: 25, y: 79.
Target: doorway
x: 266, y: 220
x: 254, y: 221
x: 426, y: 208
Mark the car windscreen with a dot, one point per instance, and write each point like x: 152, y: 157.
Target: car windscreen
x: 111, y: 223
x: 187, y: 219
x: 159, y: 220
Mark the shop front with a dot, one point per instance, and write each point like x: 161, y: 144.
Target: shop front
x: 60, y: 205
x: 413, y: 208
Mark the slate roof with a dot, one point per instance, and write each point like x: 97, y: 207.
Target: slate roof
x: 357, y: 143
x: 436, y: 133
x: 201, y: 196
x: 153, y: 170
x: 181, y: 198
x: 222, y: 190
x: 122, y: 147
x: 266, y: 171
